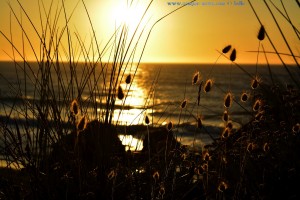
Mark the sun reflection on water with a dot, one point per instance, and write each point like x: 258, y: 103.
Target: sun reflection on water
x: 131, y: 112
x: 131, y: 143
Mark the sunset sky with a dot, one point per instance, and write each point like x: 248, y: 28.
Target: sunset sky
x: 190, y: 35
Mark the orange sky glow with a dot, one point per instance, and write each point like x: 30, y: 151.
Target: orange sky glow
x: 192, y: 34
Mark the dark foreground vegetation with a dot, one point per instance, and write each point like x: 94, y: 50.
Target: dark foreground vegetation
x: 260, y: 160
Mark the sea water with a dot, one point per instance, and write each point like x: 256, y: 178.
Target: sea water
x: 156, y: 90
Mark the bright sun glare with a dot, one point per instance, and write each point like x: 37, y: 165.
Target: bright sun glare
x: 129, y: 15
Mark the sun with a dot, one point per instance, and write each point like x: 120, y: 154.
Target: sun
x: 129, y: 14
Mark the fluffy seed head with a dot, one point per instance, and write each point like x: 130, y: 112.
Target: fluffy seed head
x: 156, y: 176
x: 204, y: 167
x: 112, y: 174
x: 228, y: 100
x: 170, y: 126
x: 224, y: 159
x: 128, y: 79
x: 250, y: 147
x: 229, y: 125
x: 183, y: 104
x: 205, y: 156
x: 296, y: 128
x: 261, y: 33
x: 226, y: 49
x: 198, y: 170
x: 226, y: 133
x: 120, y: 93
x: 82, y: 124
x: 74, y: 107
x: 199, y: 122
x: 255, y: 83
x: 196, y: 78
x: 225, y: 116
x: 244, y: 97
x: 208, y: 85
x: 222, y: 186
x: 183, y: 156
x: 257, y: 105
x: 259, y: 116
x: 233, y: 55
x: 147, y: 120
x: 162, y: 191
x: 266, y: 147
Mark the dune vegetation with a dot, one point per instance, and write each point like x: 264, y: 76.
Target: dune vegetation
x: 60, y: 141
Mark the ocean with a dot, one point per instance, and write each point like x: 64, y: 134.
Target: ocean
x: 156, y: 90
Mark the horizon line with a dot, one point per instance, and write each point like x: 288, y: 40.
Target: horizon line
x: 165, y: 62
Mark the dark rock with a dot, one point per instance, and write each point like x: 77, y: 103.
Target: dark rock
x: 95, y: 145
x: 160, y: 138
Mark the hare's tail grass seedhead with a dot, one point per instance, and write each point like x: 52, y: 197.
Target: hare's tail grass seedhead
x: 226, y: 49
x: 112, y: 174
x: 233, y: 55
x: 261, y: 33
x: 266, y: 147
x: 120, y: 94
x: 196, y: 78
x: 170, y: 126
x: 82, y: 123
x: 74, y: 107
x: 128, y: 79
x: 147, y: 120
x: 228, y: 100
x: 183, y: 104
x: 162, y: 191
x: 205, y: 156
x: 225, y: 116
x: 255, y: 82
x: 259, y: 116
x: 199, y: 122
x: 250, y: 147
x: 222, y: 187
x: 208, y: 85
x: 244, y: 97
x: 229, y: 125
x: 156, y: 176
x: 257, y: 105
x: 204, y: 167
x: 225, y: 133
x: 296, y: 128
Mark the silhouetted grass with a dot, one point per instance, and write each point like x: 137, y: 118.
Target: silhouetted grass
x: 73, y: 150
